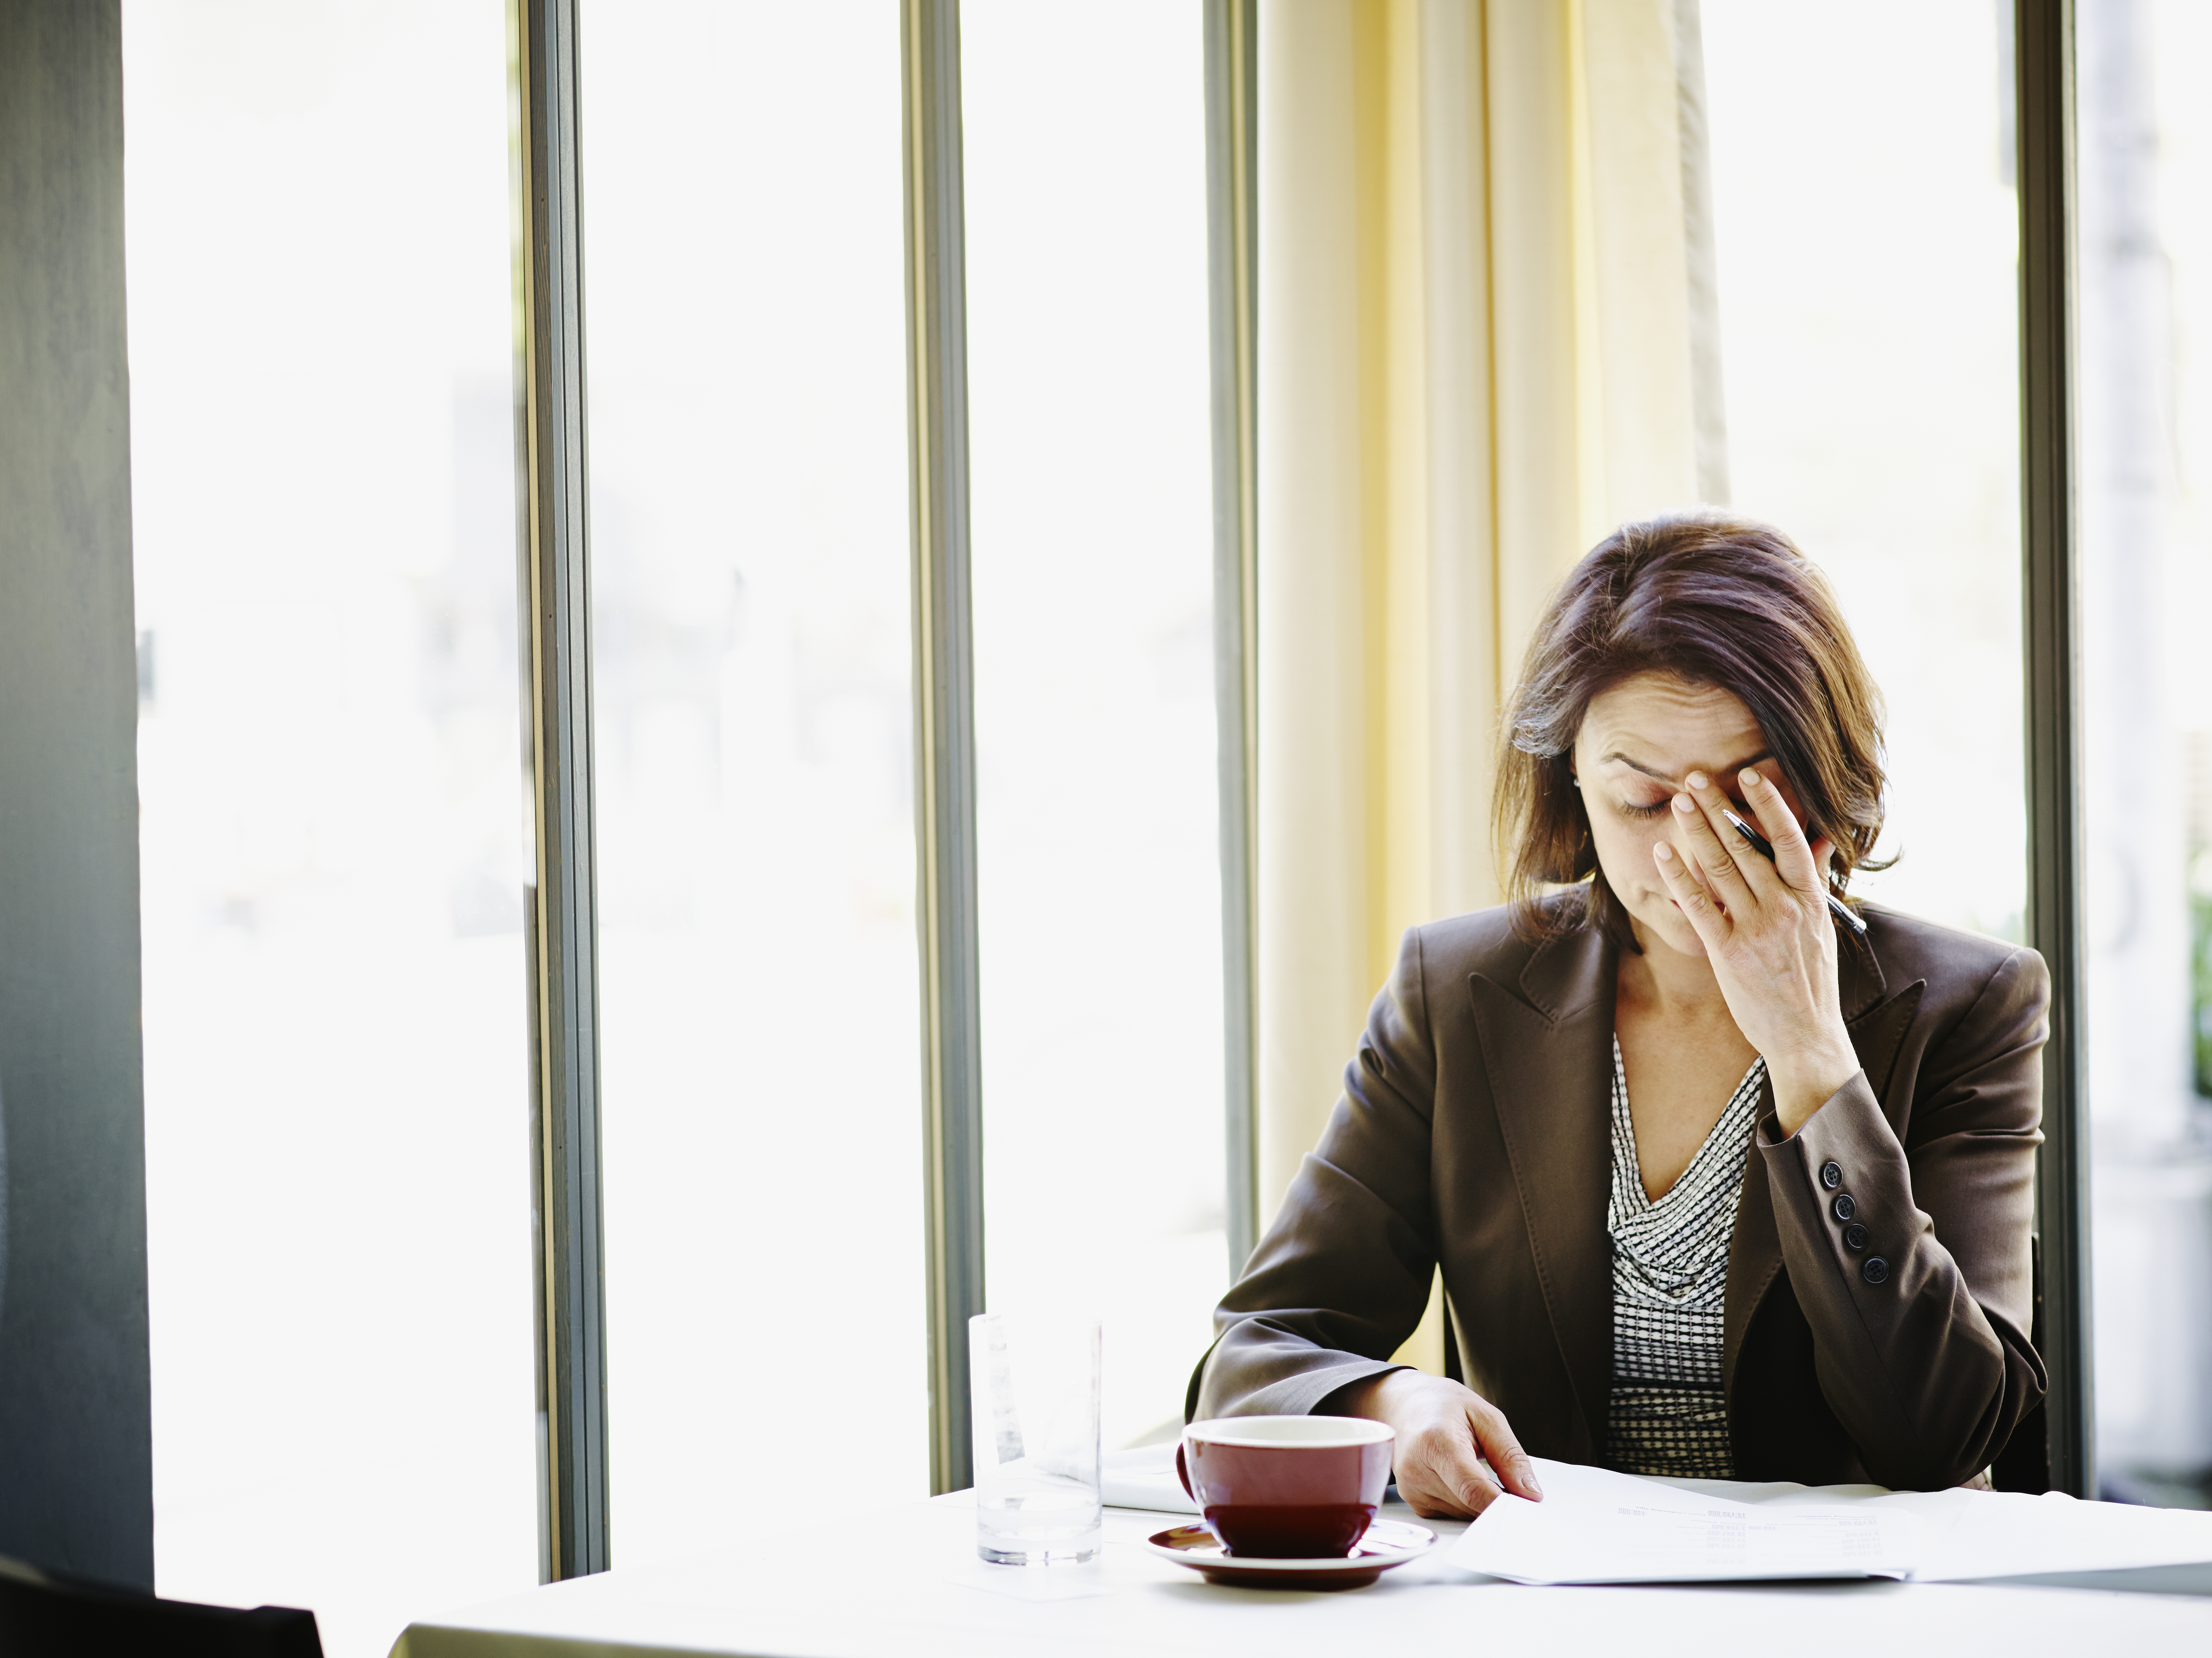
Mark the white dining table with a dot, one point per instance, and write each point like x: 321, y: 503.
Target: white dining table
x: 904, y: 1580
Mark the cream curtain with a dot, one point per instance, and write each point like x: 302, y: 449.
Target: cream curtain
x: 1486, y: 336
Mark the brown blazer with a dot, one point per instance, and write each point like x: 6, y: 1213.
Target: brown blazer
x: 1472, y: 1133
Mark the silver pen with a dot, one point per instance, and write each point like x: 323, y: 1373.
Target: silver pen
x: 1765, y: 848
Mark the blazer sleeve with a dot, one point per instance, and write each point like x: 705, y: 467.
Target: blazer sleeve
x: 1919, y: 1323
x: 1342, y: 1277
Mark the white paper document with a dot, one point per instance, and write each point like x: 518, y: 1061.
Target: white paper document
x: 1597, y: 1527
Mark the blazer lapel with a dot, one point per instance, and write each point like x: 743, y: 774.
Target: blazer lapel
x: 1548, y: 1051
x: 1876, y: 1025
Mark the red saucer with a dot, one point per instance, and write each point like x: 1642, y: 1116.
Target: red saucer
x: 1388, y: 1543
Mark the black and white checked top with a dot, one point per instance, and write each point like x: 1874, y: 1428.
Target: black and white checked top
x: 1670, y: 1258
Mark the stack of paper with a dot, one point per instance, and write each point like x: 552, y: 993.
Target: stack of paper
x: 1595, y: 1526
x: 1144, y: 1479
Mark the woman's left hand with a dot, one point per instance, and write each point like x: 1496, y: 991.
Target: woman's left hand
x: 1767, y: 932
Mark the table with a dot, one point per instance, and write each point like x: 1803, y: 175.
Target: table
x: 905, y: 1581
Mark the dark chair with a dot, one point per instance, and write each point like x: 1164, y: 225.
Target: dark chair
x: 2024, y: 1465
x: 45, y: 1615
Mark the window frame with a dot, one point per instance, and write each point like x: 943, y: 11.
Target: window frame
x: 555, y: 588
x: 2043, y: 69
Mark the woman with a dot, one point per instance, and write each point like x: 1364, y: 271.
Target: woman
x: 1718, y: 1187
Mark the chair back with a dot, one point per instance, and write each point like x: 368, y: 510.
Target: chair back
x: 2024, y: 1465
x: 45, y: 1615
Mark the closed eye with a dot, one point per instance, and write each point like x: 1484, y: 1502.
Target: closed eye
x: 1651, y: 811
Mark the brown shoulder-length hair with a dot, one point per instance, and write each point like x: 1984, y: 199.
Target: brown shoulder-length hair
x: 1716, y: 600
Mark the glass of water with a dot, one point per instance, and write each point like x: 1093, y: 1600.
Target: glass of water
x: 1033, y: 1382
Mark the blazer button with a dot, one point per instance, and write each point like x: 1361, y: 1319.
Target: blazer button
x: 1844, y: 1206
x: 1854, y: 1238
x: 1876, y: 1270
x: 1832, y: 1174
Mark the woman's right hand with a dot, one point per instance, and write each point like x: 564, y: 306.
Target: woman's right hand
x: 1445, y: 1433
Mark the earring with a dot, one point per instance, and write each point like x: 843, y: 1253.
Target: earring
x: 1574, y: 779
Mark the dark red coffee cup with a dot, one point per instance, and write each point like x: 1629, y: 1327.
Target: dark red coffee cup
x: 1286, y: 1487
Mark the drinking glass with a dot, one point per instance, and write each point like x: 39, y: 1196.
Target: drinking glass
x: 1033, y: 1383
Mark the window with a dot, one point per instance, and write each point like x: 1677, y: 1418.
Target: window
x: 753, y: 729
x: 332, y: 840
x: 1867, y: 231
x: 1099, y: 882
x: 2143, y: 149
x: 1867, y: 240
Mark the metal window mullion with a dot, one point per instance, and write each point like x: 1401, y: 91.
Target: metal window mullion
x: 2043, y: 34
x: 557, y: 610
x: 1231, y: 82
x: 944, y: 720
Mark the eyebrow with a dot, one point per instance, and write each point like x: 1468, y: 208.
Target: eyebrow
x: 1658, y: 777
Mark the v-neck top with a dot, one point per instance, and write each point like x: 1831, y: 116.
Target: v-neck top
x: 1669, y: 1412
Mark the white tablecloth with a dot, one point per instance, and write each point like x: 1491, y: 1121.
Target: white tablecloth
x: 905, y: 1581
